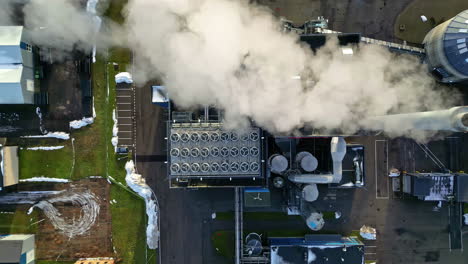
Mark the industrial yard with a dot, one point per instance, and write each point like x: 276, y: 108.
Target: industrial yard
x: 233, y: 131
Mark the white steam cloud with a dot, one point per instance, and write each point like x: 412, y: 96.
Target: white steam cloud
x: 233, y: 55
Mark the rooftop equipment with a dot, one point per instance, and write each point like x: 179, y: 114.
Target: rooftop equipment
x: 278, y: 163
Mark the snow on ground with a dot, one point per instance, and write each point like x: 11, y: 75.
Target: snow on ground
x: 89, y: 211
x: 59, y: 135
x: 368, y: 232
x: 138, y: 184
x: 76, y: 124
x: 46, y: 148
x: 1, y: 161
x: 123, y: 77
x: 44, y: 179
x: 115, y: 131
x: 465, y: 216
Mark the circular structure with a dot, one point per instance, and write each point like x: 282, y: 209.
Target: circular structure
x: 185, y: 152
x: 244, y: 151
x: 253, y: 244
x: 205, y: 152
x: 254, y: 151
x: 278, y: 182
x: 225, y: 167
x: 195, y: 167
x: 175, y: 137
x: 306, y: 161
x: 310, y: 192
x: 254, y: 136
x: 224, y: 136
x: 214, y: 152
x: 214, y: 136
x: 224, y: 152
x: 194, y: 137
x: 244, y: 167
x: 195, y: 152
x: 234, y: 166
x: 234, y: 136
x: 205, y: 137
x: 185, y: 137
x: 215, y: 167
x: 205, y: 167
x: 278, y: 163
x: 234, y: 151
x: 245, y: 137
x: 464, y: 120
x: 175, y: 152
x: 175, y: 167
x: 315, y: 221
x: 254, y: 166
x: 447, y: 50
x: 185, y: 167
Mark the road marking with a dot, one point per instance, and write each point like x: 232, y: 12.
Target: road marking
x: 376, y: 166
x: 123, y: 103
x: 125, y: 96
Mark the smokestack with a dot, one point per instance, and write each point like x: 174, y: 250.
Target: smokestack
x: 338, y: 151
x: 454, y: 119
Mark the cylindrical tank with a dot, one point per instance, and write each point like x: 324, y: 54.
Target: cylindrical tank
x: 447, y: 50
x: 253, y: 244
x: 306, y: 161
x: 278, y: 182
x: 278, y: 163
x: 453, y: 119
x: 310, y: 192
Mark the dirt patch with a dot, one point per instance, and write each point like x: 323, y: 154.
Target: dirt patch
x: 52, y: 244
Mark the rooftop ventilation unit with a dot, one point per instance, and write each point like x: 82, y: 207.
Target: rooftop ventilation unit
x: 175, y: 137
x: 215, y: 167
x: 195, y: 152
x: 185, y: 167
x: 234, y: 151
x: 214, y: 152
x: 175, y: 168
x: 225, y: 167
x: 195, y: 167
x: 185, y: 137
x: 205, y: 152
x: 254, y: 166
x: 214, y: 136
x: 205, y: 167
x: 244, y: 167
x: 244, y: 151
x: 205, y: 137
x: 224, y: 152
x: 245, y: 137
x: 254, y: 151
x: 185, y: 152
x: 234, y: 166
x: 175, y: 152
x: 306, y: 161
x: 234, y: 136
x: 254, y: 136
x: 194, y: 137
x: 225, y: 136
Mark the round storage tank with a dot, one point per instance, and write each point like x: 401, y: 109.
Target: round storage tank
x: 278, y: 163
x: 447, y: 49
x: 306, y: 161
x: 253, y: 244
x: 310, y: 192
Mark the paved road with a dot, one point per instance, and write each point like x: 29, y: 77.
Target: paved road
x: 186, y: 224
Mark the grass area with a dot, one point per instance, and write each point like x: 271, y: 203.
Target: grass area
x: 115, y: 11
x: 465, y: 208
x: 223, y: 242
x: 436, y: 12
x: 18, y: 222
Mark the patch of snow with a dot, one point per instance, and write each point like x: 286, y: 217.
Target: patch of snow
x: 439, y: 204
x: 368, y: 232
x: 465, y: 217
x: 1, y: 161
x: 46, y: 148
x: 109, y: 181
x: 123, y: 77
x: 115, y: 131
x: 337, y: 215
x: 76, y: 124
x: 95, y: 177
x: 213, y: 216
x: 137, y: 183
x: 310, y: 256
x: 349, y: 184
x: 423, y: 18
x: 44, y: 179
x: 59, y: 135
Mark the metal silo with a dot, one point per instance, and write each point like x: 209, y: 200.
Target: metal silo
x: 447, y: 50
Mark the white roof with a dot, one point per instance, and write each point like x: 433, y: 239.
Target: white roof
x: 10, y: 73
x: 10, y: 35
x: 159, y: 94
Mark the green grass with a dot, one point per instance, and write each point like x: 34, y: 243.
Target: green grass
x: 223, y: 242
x: 18, y: 223
x: 267, y: 216
x: 115, y: 11
x: 465, y: 208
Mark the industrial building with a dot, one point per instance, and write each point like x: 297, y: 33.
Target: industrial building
x: 9, y: 168
x: 436, y: 186
x: 317, y: 249
x: 16, y: 66
x: 17, y: 249
x: 447, y: 51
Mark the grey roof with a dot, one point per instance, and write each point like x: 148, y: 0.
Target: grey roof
x: 206, y: 150
x: 462, y: 187
x: 12, y: 246
x: 432, y: 186
x: 456, y: 41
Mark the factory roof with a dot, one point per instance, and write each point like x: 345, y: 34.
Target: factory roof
x: 432, y: 186
x: 206, y: 150
x: 14, y: 247
x: 462, y: 187
x: 10, y: 35
x: 257, y: 197
x: 316, y: 249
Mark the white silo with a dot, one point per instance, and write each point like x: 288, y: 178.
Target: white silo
x: 447, y: 50
x: 306, y: 161
x: 278, y: 163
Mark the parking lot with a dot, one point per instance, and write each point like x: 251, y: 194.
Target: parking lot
x: 125, y: 112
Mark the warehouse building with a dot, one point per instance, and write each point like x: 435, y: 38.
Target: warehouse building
x: 16, y: 66
x: 17, y: 249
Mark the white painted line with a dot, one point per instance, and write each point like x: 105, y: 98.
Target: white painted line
x: 124, y: 124
x: 123, y: 110
x: 124, y: 103
x: 370, y: 246
x: 125, y: 138
x: 125, y: 96
x: 123, y: 117
x: 125, y: 131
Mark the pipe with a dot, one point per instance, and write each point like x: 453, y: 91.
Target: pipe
x: 338, y: 151
x: 454, y: 119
